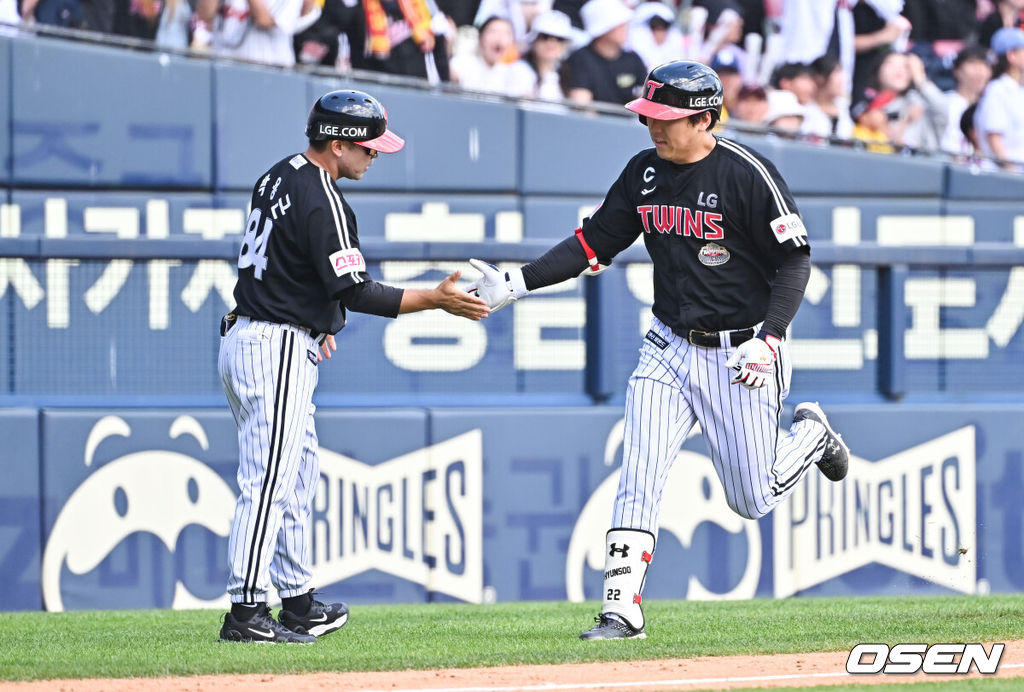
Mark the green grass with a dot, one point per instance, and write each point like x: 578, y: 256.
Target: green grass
x: 158, y: 643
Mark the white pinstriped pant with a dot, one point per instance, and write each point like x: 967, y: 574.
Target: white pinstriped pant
x: 674, y: 387
x: 269, y: 373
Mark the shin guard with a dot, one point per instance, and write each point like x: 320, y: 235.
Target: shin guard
x: 628, y: 554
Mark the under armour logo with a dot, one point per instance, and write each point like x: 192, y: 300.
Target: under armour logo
x: 623, y: 551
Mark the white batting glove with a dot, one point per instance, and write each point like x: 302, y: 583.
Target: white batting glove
x: 495, y: 287
x: 754, y: 362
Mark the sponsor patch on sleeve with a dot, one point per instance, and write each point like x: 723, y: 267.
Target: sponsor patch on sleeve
x: 789, y: 227
x: 348, y: 262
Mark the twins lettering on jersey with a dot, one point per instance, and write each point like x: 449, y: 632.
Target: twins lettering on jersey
x: 664, y: 218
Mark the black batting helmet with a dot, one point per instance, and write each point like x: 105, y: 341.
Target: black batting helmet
x: 352, y: 116
x: 678, y: 89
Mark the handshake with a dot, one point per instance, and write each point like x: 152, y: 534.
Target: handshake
x: 495, y: 287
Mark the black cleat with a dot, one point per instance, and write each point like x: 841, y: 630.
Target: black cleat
x: 835, y: 460
x: 261, y: 628
x: 322, y: 618
x: 610, y: 626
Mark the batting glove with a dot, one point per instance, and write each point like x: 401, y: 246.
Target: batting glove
x: 495, y: 287
x: 754, y: 362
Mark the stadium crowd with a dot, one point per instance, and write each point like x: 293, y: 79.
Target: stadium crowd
x: 886, y: 75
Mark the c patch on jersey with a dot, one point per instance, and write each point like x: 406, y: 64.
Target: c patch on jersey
x: 789, y: 227
x: 347, y: 262
x: 713, y: 254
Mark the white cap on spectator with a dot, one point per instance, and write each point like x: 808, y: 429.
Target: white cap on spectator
x: 1007, y: 39
x: 647, y: 11
x: 782, y: 102
x: 601, y: 16
x: 551, y: 23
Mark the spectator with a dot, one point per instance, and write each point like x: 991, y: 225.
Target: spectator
x: 809, y: 29
x: 973, y: 156
x: 604, y: 70
x: 798, y: 78
x: 918, y: 112
x: 65, y: 13
x: 724, y: 27
x: 487, y: 69
x: 871, y: 122
x: 878, y: 29
x: 1008, y: 13
x: 727, y: 64
x: 972, y: 73
x: 940, y: 30
x: 405, y: 37
x: 1000, y: 116
x: 654, y: 36
x: 751, y: 106
x: 257, y: 30
x: 320, y: 42
x: 828, y: 115
x: 785, y: 114
x: 138, y: 18
x: 519, y: 13
x: 536, y: 74
x: 175, y: 27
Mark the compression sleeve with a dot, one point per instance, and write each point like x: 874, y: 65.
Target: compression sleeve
x: 564, y: 261
x: 373, y: 298
x: 787, y: 292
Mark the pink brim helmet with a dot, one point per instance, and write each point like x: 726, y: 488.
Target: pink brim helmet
x: 659, y: 111
x: 387, y: 143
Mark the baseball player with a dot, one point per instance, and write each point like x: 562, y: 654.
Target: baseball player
x: 299, y: 270
x: 731, y: 261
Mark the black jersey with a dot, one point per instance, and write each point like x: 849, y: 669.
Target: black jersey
x: 300, y: 249
x: 717, y: 231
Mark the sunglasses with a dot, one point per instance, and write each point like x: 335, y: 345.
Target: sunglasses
x: 549, y: 37
x: 372, y: 153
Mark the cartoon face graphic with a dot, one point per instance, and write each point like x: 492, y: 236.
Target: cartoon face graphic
x: 158, y: 491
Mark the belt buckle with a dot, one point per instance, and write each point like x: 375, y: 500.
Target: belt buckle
x: 227, y: 322
x: 699, y: 332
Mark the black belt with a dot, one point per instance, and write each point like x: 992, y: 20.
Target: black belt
x: 228, y: 321
x: 714, y: 339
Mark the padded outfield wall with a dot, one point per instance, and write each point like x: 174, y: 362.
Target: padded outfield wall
x: 462, y: 460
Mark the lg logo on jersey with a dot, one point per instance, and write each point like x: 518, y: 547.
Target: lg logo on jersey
x: 709, y: 201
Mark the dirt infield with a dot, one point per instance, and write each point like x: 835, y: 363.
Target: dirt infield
x: 711, y: 672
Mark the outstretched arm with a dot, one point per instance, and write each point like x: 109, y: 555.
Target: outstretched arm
x: 375, y: 298
x: 562, y: 262
x: 446, y: 297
